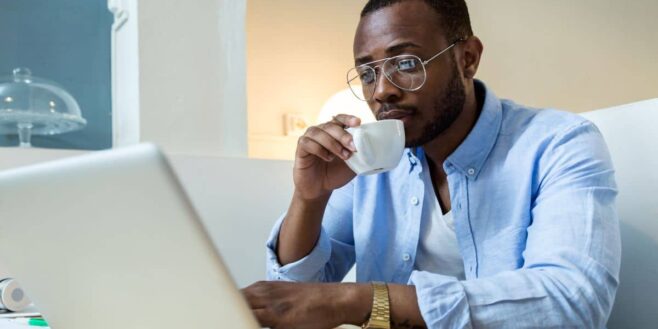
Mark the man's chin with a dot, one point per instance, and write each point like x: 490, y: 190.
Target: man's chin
x: 413, y: 141
x: 429, y: 133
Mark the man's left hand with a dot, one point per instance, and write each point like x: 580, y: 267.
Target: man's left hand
x: 280, y: 305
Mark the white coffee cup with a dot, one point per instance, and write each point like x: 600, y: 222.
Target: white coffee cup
x: 379, y: 146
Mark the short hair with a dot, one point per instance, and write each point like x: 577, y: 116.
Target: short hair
x: 455, y: 19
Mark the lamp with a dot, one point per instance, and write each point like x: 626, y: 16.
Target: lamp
x: 344, y: 102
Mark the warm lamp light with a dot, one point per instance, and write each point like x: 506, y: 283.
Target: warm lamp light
x: 344, y: 102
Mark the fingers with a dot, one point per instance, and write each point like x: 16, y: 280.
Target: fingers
x: 265, y: 318
x: 329, y: 140
x: 257, y: 294
x: 346, y: 120
x: 260, y: 299
x: 325, y: 142
x: 307, y: 145
x: 258, y: 306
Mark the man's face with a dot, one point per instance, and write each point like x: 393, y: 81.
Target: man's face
x: 412, y: 27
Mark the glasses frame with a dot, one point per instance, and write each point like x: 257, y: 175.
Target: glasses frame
x: 385, y: 61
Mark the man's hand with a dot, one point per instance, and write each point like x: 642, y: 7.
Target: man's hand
x: 320, y: 158
x: 281, y: 305
x: 319, y: 169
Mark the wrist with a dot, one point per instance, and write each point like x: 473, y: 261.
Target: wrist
x: 300, y: 230
x: 355, y: 303
x: 315, y: 201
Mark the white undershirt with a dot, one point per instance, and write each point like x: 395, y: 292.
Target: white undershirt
x: 438, y: 251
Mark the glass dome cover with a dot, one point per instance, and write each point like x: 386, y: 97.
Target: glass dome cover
x: 34, y: 106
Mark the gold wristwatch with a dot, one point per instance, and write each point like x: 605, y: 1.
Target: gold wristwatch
x: 380, y: 316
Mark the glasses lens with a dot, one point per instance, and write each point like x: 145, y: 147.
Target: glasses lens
x: 362, y: 81
x: 406, y: 72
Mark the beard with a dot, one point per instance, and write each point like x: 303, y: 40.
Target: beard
x: 446, y: 109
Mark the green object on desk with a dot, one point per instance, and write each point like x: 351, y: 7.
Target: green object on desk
x: 37, y: 322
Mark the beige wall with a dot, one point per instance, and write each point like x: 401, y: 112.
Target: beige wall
x: 297, y: 55
x: 574, y: 55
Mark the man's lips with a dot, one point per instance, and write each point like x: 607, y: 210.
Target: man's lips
x: 393, y: 114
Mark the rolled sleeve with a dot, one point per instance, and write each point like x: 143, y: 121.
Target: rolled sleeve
x: 308, y: 269
x: 441, y: 299
x: 333, y: 255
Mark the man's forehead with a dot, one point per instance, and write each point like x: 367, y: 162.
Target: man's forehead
x: 404, y: 22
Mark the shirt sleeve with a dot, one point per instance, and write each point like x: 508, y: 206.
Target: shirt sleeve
x: 572, y: 258
x: 333, y: 255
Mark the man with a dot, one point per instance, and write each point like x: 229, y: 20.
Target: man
x: 497, y: 216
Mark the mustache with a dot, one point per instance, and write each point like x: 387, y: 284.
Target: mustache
x: 387, y: 107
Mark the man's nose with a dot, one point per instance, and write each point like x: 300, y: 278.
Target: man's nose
x: 385, y: 91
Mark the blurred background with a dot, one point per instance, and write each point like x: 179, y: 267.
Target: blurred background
x: 245, y: 78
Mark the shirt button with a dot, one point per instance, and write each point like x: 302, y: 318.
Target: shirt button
x: 414, y: 201
x: 406, y: 257
x: 459, y: 206
x: 471, y: 171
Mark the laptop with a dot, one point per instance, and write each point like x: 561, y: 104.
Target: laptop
x: 109, y: 240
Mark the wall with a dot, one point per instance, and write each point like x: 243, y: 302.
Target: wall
x: 66, y: 41
x: 179, y: 69
x: 574, y: 55
x: 190, y: 75
x: 298, y: 53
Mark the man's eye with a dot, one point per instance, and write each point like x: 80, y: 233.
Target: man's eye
x: 407, y: 65
x: 367, y: 77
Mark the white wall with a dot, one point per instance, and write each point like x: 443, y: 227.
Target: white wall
x: 125, y: 73
x: 574, y: 55
x: 191, y: 75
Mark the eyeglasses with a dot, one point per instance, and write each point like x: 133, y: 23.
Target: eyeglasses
x: 406, y: 72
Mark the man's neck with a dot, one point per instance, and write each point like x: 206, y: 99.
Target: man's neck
x: 438, y: 149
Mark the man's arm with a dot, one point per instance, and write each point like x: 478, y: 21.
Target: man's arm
x: 300, y: 230
x: 328, y: 305
x: 571, y: 259
x: 319, y: 169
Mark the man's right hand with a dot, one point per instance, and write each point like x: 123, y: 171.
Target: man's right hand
x: 319, y: 169
x: 320, y: 158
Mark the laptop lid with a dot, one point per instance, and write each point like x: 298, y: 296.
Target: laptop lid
x: 110, y: 240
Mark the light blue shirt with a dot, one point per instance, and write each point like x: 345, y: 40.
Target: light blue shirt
x: 533, y: 199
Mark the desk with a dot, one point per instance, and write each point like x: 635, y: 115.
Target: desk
x: 6, y: 323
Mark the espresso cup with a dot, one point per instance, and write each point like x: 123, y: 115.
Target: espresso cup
x: 379, y: 146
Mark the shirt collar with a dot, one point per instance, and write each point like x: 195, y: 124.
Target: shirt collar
x: 470, y: 155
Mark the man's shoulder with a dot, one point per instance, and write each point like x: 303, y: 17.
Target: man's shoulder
x: 522, y: 120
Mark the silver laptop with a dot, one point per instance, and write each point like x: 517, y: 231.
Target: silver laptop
x: 109, y: 240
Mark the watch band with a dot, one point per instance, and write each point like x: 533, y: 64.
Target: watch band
x: 380, y: 316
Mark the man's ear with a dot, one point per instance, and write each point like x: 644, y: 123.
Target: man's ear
x: 470, y: 56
